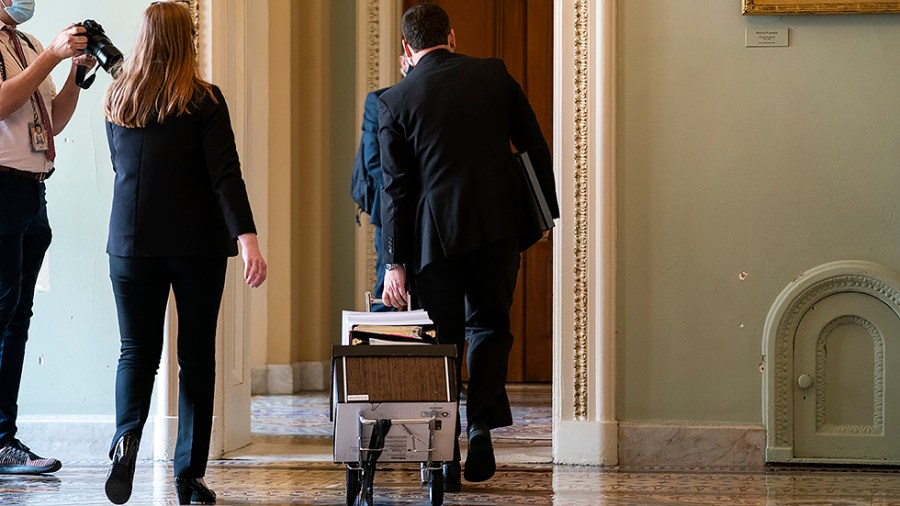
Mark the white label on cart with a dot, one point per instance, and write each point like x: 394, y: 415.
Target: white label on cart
x: 357, y: 397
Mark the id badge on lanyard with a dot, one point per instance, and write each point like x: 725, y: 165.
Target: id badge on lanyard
x: 39, y: 142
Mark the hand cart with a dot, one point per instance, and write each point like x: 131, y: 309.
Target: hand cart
x: 394, y: 404
x: 360, y: 490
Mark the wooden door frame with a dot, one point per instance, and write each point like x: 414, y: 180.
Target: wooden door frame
x: 585, y: 430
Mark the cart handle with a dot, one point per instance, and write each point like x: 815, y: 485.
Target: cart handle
x: 398, y: 421
x: 371, y: 300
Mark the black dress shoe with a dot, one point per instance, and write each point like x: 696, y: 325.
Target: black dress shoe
x: 480, y: 463
x: 121, y: 472
x: 451, y: 477
x: 193, y: 491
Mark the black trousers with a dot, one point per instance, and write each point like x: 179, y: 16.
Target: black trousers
x: 469, y: 297
x: 141, y: 287
x: 24, y: 238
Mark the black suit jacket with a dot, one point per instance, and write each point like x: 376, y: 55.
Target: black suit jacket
x: 178, y: 188
x: 451, y: 182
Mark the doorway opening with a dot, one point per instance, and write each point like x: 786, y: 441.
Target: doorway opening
x: 521, y: 34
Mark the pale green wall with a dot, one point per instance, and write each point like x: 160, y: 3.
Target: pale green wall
x: 343, y: 151
x: 74, y: 328
x: 74, y: 331
x: 730, y: 159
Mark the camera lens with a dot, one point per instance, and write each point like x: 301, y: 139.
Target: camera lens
x: 98, y: 44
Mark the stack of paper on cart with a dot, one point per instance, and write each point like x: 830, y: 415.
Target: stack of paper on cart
x: 390, y: 327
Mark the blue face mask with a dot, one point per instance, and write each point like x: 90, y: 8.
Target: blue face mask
x: 21, y: 10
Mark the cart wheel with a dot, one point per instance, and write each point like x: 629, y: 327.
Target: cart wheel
x: 370, y: 495
x: 353, y: 485
x: 436, y: 488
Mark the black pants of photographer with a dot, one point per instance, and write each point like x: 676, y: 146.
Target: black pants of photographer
x: 469, y: 297
x: 141, y: 287
x: 24, y: 238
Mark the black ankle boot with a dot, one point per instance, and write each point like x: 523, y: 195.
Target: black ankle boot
x: 121, y: 472
x: 193, y: 491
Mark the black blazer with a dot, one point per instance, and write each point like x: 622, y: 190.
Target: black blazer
x: 178, y: 188
x: 451, y: 182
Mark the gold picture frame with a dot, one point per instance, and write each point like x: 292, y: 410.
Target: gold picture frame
x: 785, y: 7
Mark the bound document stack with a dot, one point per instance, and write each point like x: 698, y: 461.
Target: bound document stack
x: 393, y: 334
x: 395, y: 327
x: 535, y: 194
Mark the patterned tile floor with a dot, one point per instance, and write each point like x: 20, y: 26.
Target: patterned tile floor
x: 289, y: 462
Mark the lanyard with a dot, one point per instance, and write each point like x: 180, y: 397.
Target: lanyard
x: 21, y: 65
x: 3, y: 60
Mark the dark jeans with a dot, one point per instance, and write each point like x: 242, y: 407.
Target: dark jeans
x: 24, y: 238
x: 469, y: 297
x: 141, y: 287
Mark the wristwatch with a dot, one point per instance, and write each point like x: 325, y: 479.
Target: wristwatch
x: 390, y: 267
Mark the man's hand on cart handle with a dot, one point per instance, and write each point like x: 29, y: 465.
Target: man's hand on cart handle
x: 395, y: 287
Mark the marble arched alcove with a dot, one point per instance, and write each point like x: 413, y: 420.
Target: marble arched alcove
x: 844, y: 293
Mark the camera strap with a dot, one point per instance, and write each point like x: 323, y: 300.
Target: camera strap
x: 81, y: 73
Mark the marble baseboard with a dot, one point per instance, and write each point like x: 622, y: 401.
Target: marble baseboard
x: 280, y: 379
x: 283, y: 379
x: 74, y: 437
x: 661, y: 445
x: 88, y: 437
x: 585, y: 443
x: 312, y: 376
x: 259, y: 378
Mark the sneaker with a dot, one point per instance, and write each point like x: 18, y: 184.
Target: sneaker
x: 16, y: 458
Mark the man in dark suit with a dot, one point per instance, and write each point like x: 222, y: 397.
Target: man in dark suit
x: 454, y: 209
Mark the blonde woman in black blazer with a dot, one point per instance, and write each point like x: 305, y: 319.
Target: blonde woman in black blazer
x: 179, y: 206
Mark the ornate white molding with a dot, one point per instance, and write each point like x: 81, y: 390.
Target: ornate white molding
x: 581, y: 164
x: 877, y: 426
x: 373, y: 44
x: 377, y: 30
x: 781, y: 325
x: 373, y: 82
x: 585, y: 429
x: 194, y: 7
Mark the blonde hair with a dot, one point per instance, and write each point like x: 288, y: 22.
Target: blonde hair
x: 161, y: 79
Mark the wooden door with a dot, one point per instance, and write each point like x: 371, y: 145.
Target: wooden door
x: 520, y: 32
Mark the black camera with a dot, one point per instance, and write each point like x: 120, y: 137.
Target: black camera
x: 98, y: 44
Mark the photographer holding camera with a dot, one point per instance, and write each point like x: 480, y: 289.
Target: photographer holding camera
x: 31, y: 113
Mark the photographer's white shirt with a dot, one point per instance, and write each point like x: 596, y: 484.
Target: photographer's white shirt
x: 15, y: 137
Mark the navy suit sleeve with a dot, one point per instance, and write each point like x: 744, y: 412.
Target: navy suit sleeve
x: 398, y: 197
x: 111, y: 144
x: 371, y: 153
x: 526, y: 135
x: 220, y: 153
